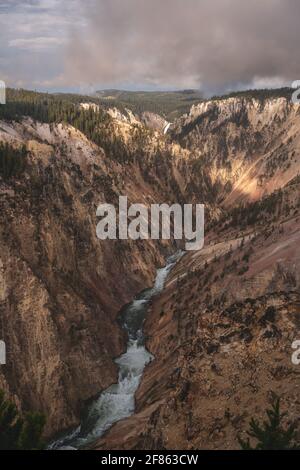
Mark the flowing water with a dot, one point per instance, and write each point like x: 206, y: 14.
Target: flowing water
x: 117, y: 401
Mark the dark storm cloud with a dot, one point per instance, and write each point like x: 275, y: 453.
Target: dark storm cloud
x: 214, y: 43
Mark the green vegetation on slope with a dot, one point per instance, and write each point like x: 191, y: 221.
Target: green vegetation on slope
x: 96, y: 124
x: 271, y: 435
x: 19, y: 433
x: 48, y: 108
x: 261, y: 95
x: 12, y: 160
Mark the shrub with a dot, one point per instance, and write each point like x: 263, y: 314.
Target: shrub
x: 271, y: 435
x: 16, y: 432
x: 12, y: 161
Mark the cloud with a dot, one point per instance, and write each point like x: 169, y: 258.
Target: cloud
x: 216, y: 45
x: 35, y: 43
x: 32, y: 41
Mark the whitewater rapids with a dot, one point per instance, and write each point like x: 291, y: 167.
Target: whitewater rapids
x: 118, y: 400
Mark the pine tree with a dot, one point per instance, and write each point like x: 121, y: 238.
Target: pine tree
x: 18, y: 433
x: 270, y: 434
x: 10, y: 424
x: 30, y: 437
x: 12, y: 160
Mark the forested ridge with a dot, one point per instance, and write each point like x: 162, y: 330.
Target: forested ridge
x: 65, y: 108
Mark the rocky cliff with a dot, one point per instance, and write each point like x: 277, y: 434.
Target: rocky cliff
x: 211, y: 331
x: 222, y: 330
x: 248, y: 145
x: 221, y: 334
x: 61, y: 287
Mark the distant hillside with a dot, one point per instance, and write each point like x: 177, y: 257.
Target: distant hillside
x: 173, y: 104
x: 169, y: 104
x: 259, y: 94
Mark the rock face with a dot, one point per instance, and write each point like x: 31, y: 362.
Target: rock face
x: 153, y: 121
x: 222, y: 339
x: 249, y: 146
x: 221, y: 332
x: 61, y: 287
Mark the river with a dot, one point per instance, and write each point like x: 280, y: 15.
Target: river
x: 118, y: 400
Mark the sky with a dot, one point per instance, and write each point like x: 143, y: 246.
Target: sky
x: 212, y: 45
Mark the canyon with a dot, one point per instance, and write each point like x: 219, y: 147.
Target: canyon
x: 222, y: 328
